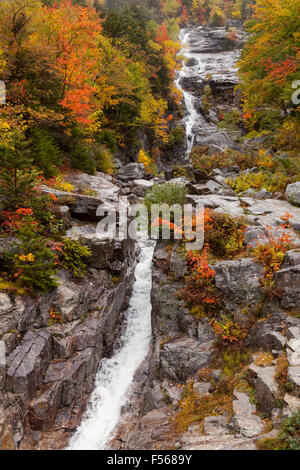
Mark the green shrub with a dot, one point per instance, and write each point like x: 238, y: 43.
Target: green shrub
x: 82, y: 158
x: 168, y: 193
x: 231, y: 120
x: 31, y: 263
x: 202, y: 161
x: 262, y: 179
x: 62, y: 185
x: 104, y: 160
x: 289, y: 164
x: 108, y: 139
x: 16, y: 179
x: 45, y: 151
x: 225, y: 234
x: 176, y: 136
x: 180, y: 170
x: 288, y: 437
x: 232, y: 361
x: 72, y: 258
x: 288, y: 135
x: 42, y: 207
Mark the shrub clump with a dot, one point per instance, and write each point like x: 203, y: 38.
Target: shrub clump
x: 226, y: 159
x: 72, y: 257
x: 31, y: 263
x: 61, y: 184
x: 148, y: 162
x: 272, y: 254
x: 104, y: 160
x: 167, y: 193
x: 288, y: 437
x: 273, y: 182
x: 200, y: 286
x: 224, y: 234
x: 227, y: 330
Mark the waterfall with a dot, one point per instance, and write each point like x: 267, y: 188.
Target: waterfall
x: 189, y: 100
x: 115, y: 375
x: 204, y: 60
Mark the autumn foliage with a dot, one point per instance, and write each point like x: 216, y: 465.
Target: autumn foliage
x: 199, y: 284
x: 270, y: 61
x: 81, y: 83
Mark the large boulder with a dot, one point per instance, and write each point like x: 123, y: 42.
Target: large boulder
x: 106, y: 195
x: 132, y: 171
x: 293, y: 193
x: 141, y: 187
x: 239, y: 283
x: 106, y: 253
x: 200, y: 189
x: 75, y: 375
x: 287, y: 281
x: 181, y: 358
x: 216, y: 141
x: 267, y: 390
x: 28, y: 363
x: 82, y: 207
x: 209, y: 40
x: 101, y: 183
x: 43, y: 409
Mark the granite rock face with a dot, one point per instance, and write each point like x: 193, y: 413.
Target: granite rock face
x: 51, y: 369
x: 132, y: 171
x: 293, y: 193
x: 47, y: 369
x: 288, y: 281
x: 239, y: 283
x: 244, y: 420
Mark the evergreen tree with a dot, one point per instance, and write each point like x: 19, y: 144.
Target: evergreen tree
x: 46, y: 152
x: 15, y: 162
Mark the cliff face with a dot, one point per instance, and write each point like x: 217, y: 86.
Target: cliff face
x: 48, y: 368
x: 185, y: 353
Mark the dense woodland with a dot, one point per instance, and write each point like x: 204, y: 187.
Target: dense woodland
x: 83, y: 81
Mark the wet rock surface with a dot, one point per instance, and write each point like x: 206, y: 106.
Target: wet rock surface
x: 47, y: 369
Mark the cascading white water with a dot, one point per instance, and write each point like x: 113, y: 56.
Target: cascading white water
x: 196, y: 46
x: 189, y: 100
x: 116, y: 374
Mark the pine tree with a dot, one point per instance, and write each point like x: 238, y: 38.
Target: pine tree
x: 46, y: 152
x: 17, y: 181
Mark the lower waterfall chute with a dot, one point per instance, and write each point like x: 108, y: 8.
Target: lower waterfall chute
x: 116, y: 374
